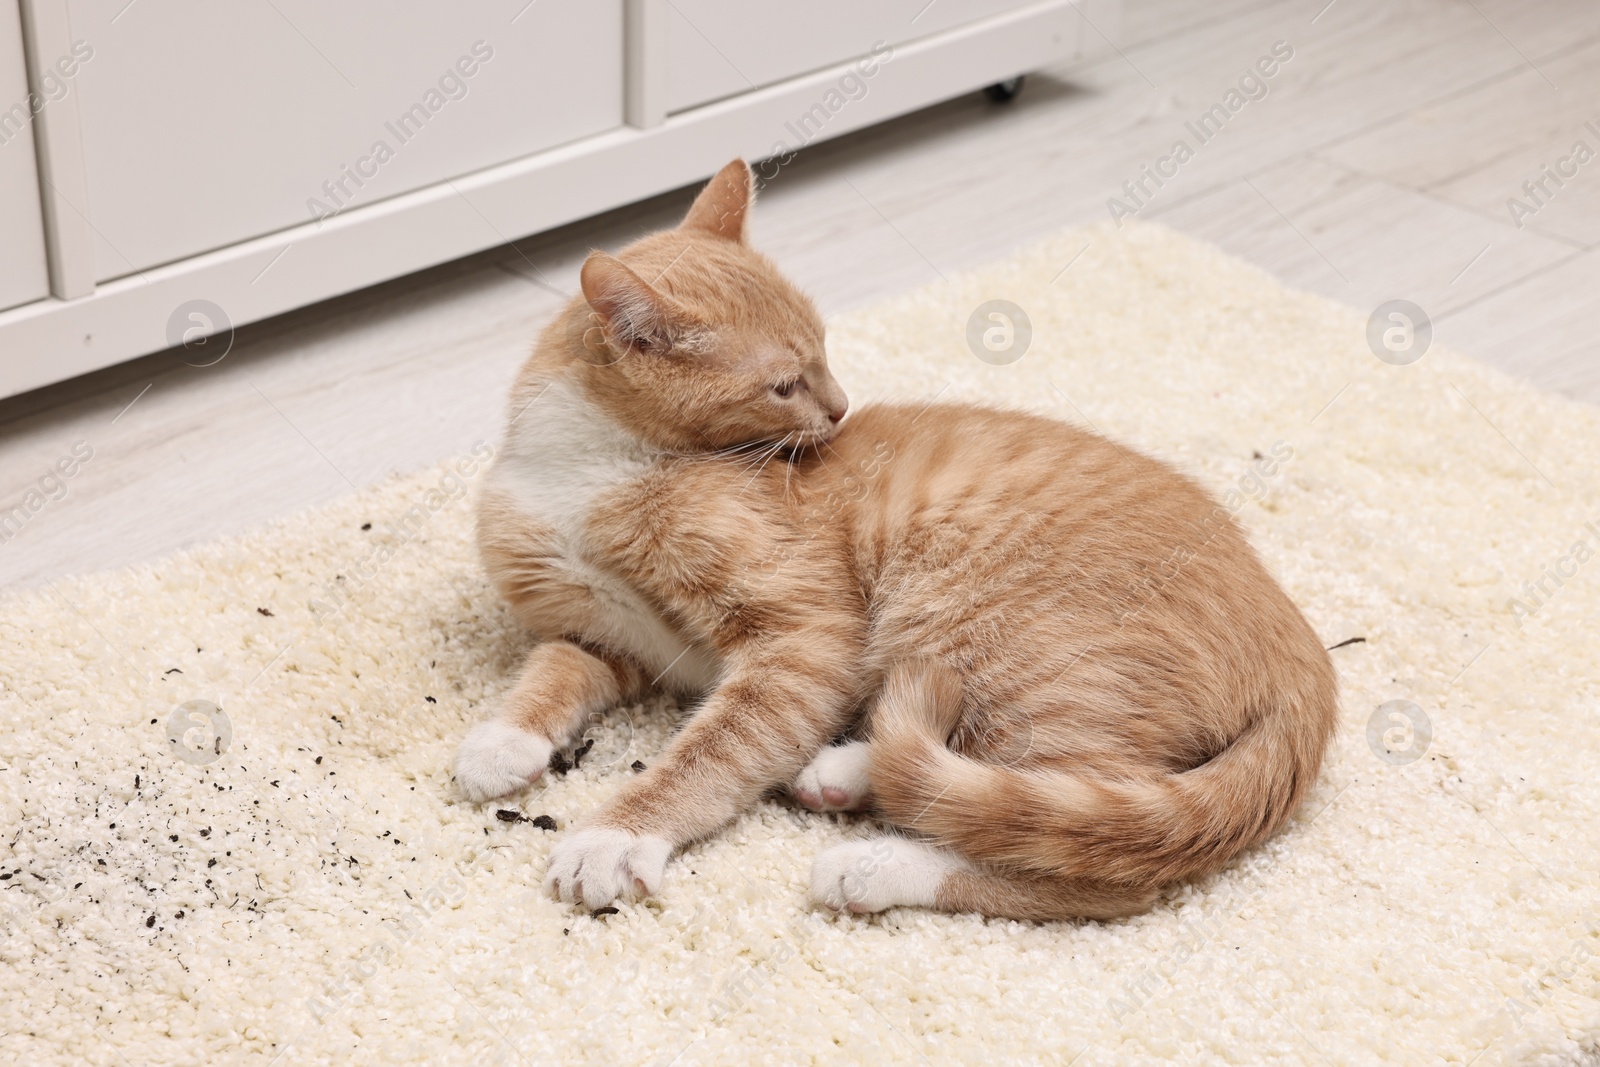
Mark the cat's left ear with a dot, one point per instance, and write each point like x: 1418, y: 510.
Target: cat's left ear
x: 635, y: 313
x: 724, y: 204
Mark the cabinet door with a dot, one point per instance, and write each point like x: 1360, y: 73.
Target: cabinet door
x: 207, y: 123
x: 24, y: 276
x: 717, y: 48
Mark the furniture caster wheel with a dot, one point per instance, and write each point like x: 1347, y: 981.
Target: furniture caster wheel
x: 1006, y: 91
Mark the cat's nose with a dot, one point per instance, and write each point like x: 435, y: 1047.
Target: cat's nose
x: 830, y: 397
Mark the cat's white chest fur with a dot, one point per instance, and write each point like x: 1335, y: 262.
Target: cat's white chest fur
x: 562, y: 454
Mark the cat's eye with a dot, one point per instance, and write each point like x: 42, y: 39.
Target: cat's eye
x: 784, y: 389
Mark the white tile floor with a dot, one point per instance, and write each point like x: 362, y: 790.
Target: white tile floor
x: 1378, y: 165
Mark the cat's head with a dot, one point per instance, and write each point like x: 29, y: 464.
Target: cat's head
x: 694, y: 341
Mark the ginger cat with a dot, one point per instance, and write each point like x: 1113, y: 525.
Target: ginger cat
x: 1074, y: 679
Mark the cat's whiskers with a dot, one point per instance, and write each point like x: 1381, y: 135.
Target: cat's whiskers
x: 754, y: 458
x: 780, y: 448
x: 777, y: 446
x: 763, y: 453
x: 719, y: 453
x: 822, y: 461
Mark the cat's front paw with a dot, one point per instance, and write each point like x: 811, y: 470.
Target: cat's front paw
x: 886, y: 872
x: 837, y: 779
x: 496, y: 759
x: 596, y: 866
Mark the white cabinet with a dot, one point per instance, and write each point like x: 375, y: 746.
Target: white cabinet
x: 24, y: 275
x: 206, y: 123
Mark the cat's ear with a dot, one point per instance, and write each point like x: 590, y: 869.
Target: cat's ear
x: 636, y: 314
x: 724, y: 204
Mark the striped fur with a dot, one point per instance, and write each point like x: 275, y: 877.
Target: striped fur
x: 1077, y: 681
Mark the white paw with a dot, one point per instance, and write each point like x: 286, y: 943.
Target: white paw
x: 885, y: 872
x: 496, y: 758
x: 837, y: 779
x: 597, y: 866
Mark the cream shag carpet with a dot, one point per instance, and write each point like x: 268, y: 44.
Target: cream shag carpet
x: 318, y: 894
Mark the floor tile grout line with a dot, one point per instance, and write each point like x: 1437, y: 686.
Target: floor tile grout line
x: 1455, y: 176
x: 1575, y: 255
x: 1319, y: 147
x: 1501, y: 33
x: 1487, y: 81
x: 1576, y: 250
x: 1208, y: 23
x: 1481, y: 213
x: 1429, y: 192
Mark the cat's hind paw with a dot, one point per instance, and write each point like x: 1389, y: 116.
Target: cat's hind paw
x: 496, y: 759
x: 596, y: 866
x: 885, y: 872
x: 836, y: 780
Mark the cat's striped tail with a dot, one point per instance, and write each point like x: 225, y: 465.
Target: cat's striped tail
x: 1142, y: 831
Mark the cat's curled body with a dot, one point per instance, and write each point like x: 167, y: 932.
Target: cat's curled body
x: 1074, y: 679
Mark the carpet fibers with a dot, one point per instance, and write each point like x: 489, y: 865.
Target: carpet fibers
x: 230, y: 833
